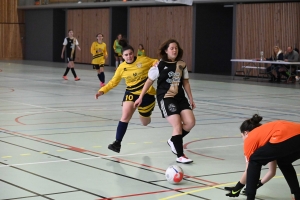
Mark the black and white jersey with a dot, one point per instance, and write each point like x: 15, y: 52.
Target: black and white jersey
x: 70, y: 46
x: 169, y: 77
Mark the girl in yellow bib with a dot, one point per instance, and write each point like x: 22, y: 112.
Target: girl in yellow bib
x: 99, y: 52
x: 135, y: 72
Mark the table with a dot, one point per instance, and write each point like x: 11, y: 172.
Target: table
x: 263, y: 62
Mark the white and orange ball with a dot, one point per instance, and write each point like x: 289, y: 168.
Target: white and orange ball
x: 174, y: 174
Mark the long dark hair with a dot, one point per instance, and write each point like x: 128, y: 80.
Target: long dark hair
x: 164, y: 46
x: 125, y: 46
x: 250, y: 124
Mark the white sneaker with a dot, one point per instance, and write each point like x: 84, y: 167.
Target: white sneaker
x: 184, y: 160
x: 170, y: 143
x: 297, y: 78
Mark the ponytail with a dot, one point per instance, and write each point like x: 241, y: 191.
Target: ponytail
x: 125, y: 46
x: 250, y: 124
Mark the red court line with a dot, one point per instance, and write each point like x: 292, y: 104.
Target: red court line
x: 155, y: 192
x: 93, y: 152
x: 18, y: 120
x: 11, y: 90
x: 185, y: 146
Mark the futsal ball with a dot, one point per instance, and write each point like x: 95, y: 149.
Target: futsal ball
x: 174, y: 174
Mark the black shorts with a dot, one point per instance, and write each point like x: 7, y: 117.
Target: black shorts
x: 118, y: 54
x: 172, y: 106
x: 97, y: 66
x: 147, y: 105
x: 70, y: 59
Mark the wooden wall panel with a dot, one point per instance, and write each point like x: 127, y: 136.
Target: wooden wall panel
x: 262, y: 26
x: 9, y: 12
x: 11, y: 30
x: 153, y: 25
x: 86, y: 23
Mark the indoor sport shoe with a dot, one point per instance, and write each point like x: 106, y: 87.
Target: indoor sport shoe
x: 184, y: 160
x: 65, y: 77
x: 170, y: 143
x: 297, y: 78
x: 77, y: 78
x: 115, y: 146
x: 102, y: 84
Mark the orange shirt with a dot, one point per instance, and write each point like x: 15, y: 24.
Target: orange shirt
x: 273, y: 132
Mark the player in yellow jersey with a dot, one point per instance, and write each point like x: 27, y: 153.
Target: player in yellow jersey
x: 117, y: 48
x: 141, y: 50
x: 99, y: 52
x: 135, y: 72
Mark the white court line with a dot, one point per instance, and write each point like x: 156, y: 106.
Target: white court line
x: 250, y: 108
x: 125, y: 155
x: 51, y: 109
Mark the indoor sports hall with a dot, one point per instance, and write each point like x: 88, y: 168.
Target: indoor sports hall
x: 54, y: 133
x: 54, y: 137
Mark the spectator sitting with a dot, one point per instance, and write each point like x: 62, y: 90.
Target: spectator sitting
x: 277, y: 55
x: 289, y: 56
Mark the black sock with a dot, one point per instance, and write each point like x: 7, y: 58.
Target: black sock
x: 67, y: 71
x: 184, y: 133
x: 121, y: 130
x: 73, y: 72
x: 177, y: 141
x: 99, y: 77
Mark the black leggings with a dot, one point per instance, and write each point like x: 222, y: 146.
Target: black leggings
x: 285, y: 153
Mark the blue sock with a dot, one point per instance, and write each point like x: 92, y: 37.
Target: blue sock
x: 102, y: 77
x: 121, y: 130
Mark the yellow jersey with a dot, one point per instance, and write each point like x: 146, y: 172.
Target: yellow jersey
x: 99, y: 53
x: 135, y: 75
x: 141, y: 52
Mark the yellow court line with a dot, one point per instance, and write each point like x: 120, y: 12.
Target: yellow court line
x: 147, y: 142
x: 207, y: 188
x: 61, y: 150
x: 44, y: 152
x: 199, y: 190
x: 6, y: 156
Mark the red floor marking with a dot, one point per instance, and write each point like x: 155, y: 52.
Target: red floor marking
x: 18, y: 121
x: 185, y: 146
x: 77, y: 149
x: 116, y: 158
x: 155, y: 192
x: 11, y: 90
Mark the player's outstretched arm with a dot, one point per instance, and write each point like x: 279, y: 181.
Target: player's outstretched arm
x: 99, y: 93
x: 146, y: 87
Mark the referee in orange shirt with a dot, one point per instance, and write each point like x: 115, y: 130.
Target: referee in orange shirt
x: 277, y: 140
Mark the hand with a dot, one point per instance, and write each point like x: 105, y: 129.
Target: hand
x: 78, y: 48
x: 138, y: 102
x: 156, y: 64
x: 285, y: 60
x: 62, y: 56
x: 234, y: 191
x: 100, y: 93
x: 193, y: 104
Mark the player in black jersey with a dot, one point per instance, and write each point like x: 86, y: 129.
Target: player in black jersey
x: 172, y: 83
x: 70, y: 44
